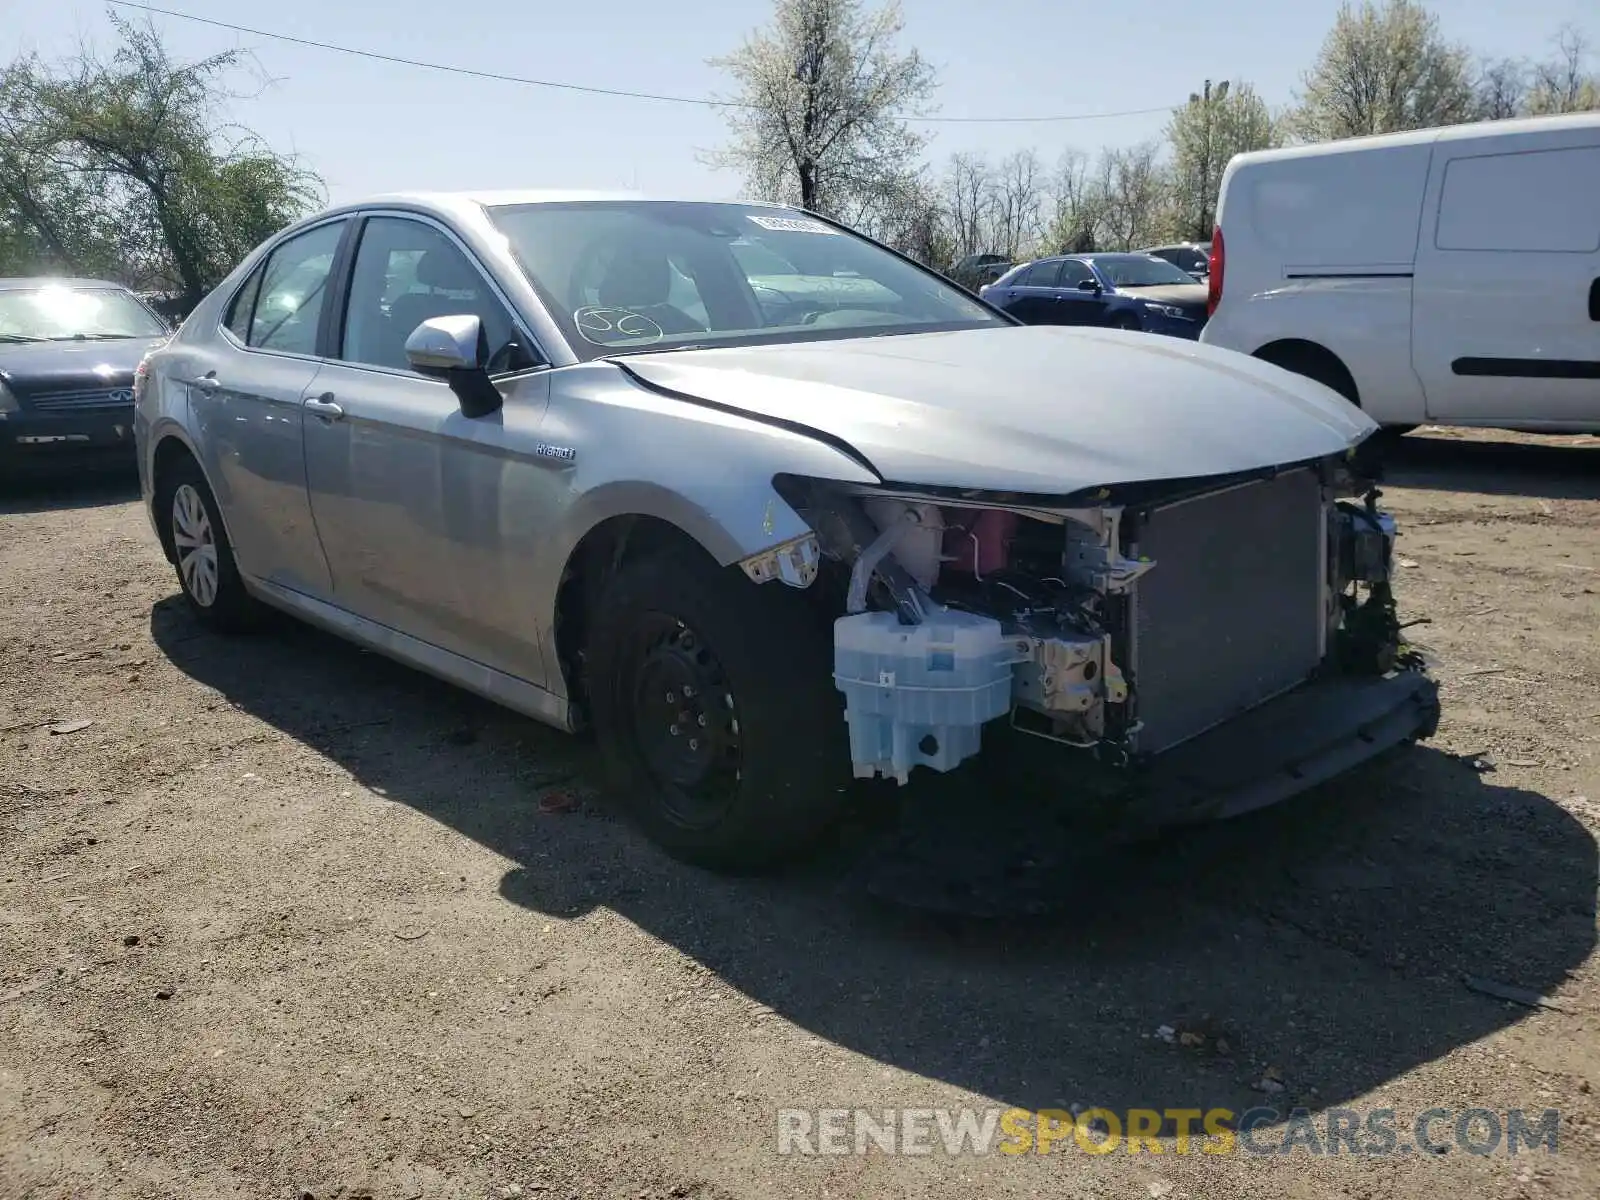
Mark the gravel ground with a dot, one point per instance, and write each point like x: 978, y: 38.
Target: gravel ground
x: 289, y: 920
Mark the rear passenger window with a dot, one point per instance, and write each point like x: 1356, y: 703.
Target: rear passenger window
x: 294, y: 288
x: 1042, y: 274
x: 237, y: 318
x: 1536, y: 201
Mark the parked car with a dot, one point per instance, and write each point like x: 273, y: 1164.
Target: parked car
x: 1123, y: 291
x: 68, y: 349
x: 975, y: 270
x: 1192, y: 258
x: 1448, y: 276
x: 565, y: 451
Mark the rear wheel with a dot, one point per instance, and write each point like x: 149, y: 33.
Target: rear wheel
x: 201, y: 553
x: 715, y: 708
x: 1313, y: 362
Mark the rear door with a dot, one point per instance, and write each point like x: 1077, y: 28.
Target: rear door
x: 1020, y: 297
x: 245, y: 394
x: 1039, y: 292
x: 423, y: 511
x: 1506, y: 297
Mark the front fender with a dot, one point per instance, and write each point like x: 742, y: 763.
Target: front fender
x: 706, y: 471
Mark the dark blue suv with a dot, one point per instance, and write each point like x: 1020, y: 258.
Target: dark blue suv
x: 1122, y: 291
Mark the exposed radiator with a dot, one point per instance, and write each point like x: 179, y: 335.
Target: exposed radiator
x: 1232, y: 612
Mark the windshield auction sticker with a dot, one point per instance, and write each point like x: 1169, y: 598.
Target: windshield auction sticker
x: 793, y: 225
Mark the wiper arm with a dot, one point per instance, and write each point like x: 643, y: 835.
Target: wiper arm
x: 91, y: 337
x: 21, y: 337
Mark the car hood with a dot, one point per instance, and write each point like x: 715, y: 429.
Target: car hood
x: 1185, y: 295
x: 34, y: 365
x: 1035, y: 409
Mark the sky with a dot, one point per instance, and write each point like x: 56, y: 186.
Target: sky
x: 369, y: 127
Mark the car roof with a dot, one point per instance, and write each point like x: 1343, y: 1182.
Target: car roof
x: 19, y: 283
x: 1511, y: 127
x: 495, y: 198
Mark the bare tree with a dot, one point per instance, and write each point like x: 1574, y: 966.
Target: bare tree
x: 1017, y: 191
x: 906, y: 213
x: 969, y: 202
x: 1382, y: 70
x: 1075, y: 205
x: 1204, y: 135
x: 1502, y: 89
x: 1135, y: 193
x: 818, y: 117
x: 1565, y: 83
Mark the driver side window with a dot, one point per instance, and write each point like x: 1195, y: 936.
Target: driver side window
x: 1074, y: 273
x: 407, y: 272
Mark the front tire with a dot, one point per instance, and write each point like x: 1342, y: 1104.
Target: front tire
x: 714, y: 706
x: 201, y: 553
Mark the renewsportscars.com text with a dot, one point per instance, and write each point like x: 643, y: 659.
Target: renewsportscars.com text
x: 1375, y: 1132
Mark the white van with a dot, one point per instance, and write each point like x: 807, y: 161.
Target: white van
x: 1448, y: 276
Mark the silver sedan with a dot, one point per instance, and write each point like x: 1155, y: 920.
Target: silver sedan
x: 771, y: 507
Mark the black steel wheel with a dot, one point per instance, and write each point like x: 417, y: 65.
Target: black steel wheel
x: 714, y: 705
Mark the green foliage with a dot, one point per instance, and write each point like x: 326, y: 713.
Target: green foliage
x: 1383, y: 70
x: 127, y: 166
x: 1203, y: 136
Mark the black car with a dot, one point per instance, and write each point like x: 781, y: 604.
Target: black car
x: 1123, y: 291
x: 68, y: 352
x: 975, y: 270
x: 1191, y: 257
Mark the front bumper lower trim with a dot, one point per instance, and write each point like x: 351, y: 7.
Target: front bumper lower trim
x: 971, y: 845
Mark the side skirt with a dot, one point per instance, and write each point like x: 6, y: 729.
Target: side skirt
x: 508, y: 690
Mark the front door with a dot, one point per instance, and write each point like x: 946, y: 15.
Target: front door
x: 420, y: 508
x: 1505, y: 326
x: 246, y: 390
x: 1077, y: 306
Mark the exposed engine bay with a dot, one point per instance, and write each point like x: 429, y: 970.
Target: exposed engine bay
x: 958, y: 610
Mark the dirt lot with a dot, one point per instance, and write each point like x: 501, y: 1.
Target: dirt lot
x: 288, y: 920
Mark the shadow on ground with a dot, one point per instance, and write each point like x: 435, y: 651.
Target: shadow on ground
x: 1328, y: 937
x: 90, y: 488
x: 1548, y: 470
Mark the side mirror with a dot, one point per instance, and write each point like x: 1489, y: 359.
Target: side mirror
x: 1089, y: 285
x: 455, y: 349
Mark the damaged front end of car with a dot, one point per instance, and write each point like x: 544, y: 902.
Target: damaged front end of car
x: 1217, y: 644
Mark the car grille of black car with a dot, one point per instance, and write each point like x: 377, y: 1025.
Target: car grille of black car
x: 83, y: 398
x: 1232, y: 613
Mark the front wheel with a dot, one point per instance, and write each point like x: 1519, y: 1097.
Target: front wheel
x: 714, y: 706
x: 1126, y: 321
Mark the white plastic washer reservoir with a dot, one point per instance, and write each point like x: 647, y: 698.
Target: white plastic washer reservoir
x: 920, y: 694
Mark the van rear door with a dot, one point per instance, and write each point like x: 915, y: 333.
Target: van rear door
x: 1505, y: 323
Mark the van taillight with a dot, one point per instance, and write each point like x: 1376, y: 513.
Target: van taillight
x: 1214, y: 273
x: 141, y: 379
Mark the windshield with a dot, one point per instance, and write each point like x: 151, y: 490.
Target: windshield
x: 58, y: 314
x: 625, y: 276
x: 1140, y: 270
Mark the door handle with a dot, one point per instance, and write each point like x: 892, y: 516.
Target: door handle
x: 208, y: 382
x: 323, y: 406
